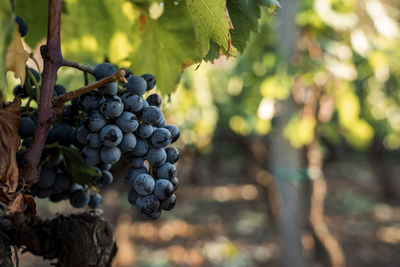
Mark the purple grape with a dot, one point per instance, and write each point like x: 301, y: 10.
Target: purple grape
x: 174, y: 132
x: 128, y: 142
x: 167, y: 171
x: 90, y: 156
x: 163, y: 189
x: 127, y: 122
x: 169, y: 203
x: 161, y: 138
x: 94, y: 120
x: 156, y: 156
x: 110, y: 135
x: 111, y: 106
x: 110, y: 155
x: 144, y: 184
x: 136, y: 85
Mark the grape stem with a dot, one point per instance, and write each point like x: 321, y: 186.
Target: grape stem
x: 118, y: 76
x: 77, y: 65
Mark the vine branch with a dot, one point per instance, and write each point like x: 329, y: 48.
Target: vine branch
x: 51, y: 53
x: 77, y: 65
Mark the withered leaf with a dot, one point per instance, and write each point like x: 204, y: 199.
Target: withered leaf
x: 10, y: 121
x: 16, y: 57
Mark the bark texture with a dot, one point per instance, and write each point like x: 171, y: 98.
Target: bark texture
x: 77, y: 240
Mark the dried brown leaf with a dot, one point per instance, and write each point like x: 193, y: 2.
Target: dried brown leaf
x: 9, y: 142
x: 16, y: 204
x: 30, y: 205
x: 16, y: 57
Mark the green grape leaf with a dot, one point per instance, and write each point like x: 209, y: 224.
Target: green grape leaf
x: 6, y: 36
x: 167, y: 45
x: 35, y: 15
x: 95, y: 29
x: 79, y: 171
x: 210, y: 22
x: 244, y: 16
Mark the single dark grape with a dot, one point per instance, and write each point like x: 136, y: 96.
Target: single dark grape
x: 136, y: 85
x: 47, y: 178
x: 20, y: 91
x: 103, y: 70
x: 147, y: 204
x: 161, y: 138
x: 144, y: 184
x: 82, y: 135
x: 175, y: 183
x: 79, y: 199
x: 110, y: 155
x: 174, y: 132
x: 127, y: 122
x: 150, y: 81
x: 61, y: 184
x: 89, y: 101
x: 132, y: 102
x: 172, y: 154
x: 93, y: 140
x: 144, y: 131
x: 154, y: 100
x: 141, y: 148
x: 93, y: 120
x: 109, y: 89
x: 156, y: 156
x: 63, y: 134
x: 95, y: 201
x: 169, y: 203
x: 137, y: 162
x: 104, y: 166
x: 105, y: 179
x: 111, y: 106
x: 22, y: 26
x: 155, y: 215
x: 110, y: 135
x: 90, y: 156
x: 167, y: 171
x: 128, y: 142
x: 163, y: 189
x: 27, y: 127
x: 151, y: 115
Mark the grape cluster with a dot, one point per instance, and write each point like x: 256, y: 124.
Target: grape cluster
x: 121, y: 123
x: 54, y: 183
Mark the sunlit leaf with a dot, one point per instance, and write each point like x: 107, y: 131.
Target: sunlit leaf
x: 167, y: 46
x: 6, y: 34
x: 17, y: 57
x: 210, y: 22
x: 244, y: 16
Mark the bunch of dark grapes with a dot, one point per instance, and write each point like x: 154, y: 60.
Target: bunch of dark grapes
x: 121, y: 123
x: 55, y: 183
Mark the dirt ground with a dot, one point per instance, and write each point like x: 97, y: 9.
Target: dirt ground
x: 222, y: 217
